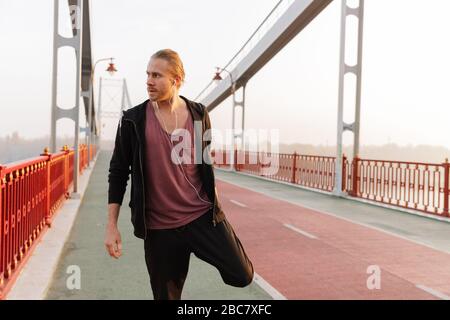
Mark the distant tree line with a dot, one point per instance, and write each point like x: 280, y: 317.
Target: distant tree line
x: 391, y: 151
x: 15, y: 148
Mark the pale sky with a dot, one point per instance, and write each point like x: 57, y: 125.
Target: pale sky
x: 405, y: 82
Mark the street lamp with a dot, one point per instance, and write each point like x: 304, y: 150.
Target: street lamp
x: 111, y: 69
x: 217, y: 77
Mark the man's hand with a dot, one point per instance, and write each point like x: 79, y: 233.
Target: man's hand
x: 113, y: 241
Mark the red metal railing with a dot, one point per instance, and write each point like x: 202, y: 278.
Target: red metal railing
x: 310, y: 171
x: 221, y: 158
x: 83, y: 157
x: 412, y: 185
x: 31, y: 191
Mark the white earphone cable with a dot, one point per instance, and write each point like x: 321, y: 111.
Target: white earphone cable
x: 170, y: 141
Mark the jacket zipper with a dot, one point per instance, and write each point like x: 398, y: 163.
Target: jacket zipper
x: 215, y: 200
x: 142, y: 176
x: 214, y: 211
x: 214, y: 193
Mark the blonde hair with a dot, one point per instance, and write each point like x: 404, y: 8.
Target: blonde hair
x: 175, y: 64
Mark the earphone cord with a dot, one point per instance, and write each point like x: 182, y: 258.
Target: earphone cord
x: 179, y: 161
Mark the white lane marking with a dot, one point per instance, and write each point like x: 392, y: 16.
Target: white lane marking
x: 306, y: 234
x: 433, y: 292
x: 274, y: 293
x: 238, y: 203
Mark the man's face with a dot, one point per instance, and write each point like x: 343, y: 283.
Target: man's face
x: 159, y: 80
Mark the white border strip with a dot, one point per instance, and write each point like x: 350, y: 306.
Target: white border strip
x: 306, y: 234
x: 274, y: 293
x: 433, y: 292
x: 238, y: 203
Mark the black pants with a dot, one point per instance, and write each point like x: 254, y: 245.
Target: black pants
x: 167, y: 254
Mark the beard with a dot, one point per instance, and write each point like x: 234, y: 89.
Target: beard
x: 160, y: 97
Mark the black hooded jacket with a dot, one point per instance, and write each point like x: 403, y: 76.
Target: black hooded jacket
x: 128, y: 158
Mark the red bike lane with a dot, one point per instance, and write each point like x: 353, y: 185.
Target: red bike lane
x: 307, y: 254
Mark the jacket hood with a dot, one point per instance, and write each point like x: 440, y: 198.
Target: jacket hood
x: 136, y: 113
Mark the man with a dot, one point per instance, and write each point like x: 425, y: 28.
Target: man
x: 174, y: 203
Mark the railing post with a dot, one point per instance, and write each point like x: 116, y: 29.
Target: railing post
x: 48, y: 187
x: 81, y: 153
x: 344, y: 172
x: 2, y: 275
x: 84, y: 159
x: 235, y: 159
x: 446, y: 165
x: 213, y: 158
x: 355, y: 177
x: 294, y: 167
x: 86, y: 155
x: 65, y: 149
x: 260, y: 163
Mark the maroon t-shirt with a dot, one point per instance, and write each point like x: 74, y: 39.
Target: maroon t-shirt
x: 170, y: 200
